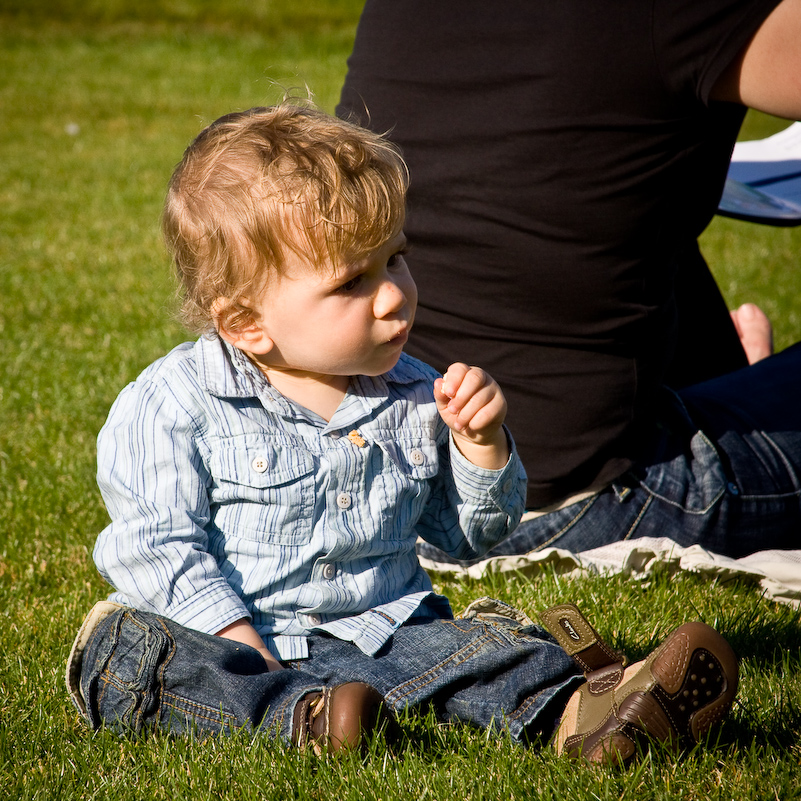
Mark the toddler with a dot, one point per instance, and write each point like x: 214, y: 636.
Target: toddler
x: 268, y: 482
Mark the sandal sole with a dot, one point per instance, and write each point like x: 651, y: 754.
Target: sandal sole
x: 690, y: 684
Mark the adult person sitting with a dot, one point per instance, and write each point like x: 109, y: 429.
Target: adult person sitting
x: 564, y: 159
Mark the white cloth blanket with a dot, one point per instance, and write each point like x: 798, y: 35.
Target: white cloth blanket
x: 778, y: 573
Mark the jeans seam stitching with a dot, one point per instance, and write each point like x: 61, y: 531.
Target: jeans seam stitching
x: 697, y: 512
x: 462, y: 655
x: 775, y: 497
x: 167, y: 659
x: 212, y: 714
x: 280, y: 715
x: 787, y: 466
x: 105, y: 675
x: 568, y: 525
x: 140, y: 712
x: 639, y: 517
x: 524, y: 707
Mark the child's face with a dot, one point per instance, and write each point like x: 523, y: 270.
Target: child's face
x: 352, y: 321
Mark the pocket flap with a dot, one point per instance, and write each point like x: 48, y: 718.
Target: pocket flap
x: 259, y: 462
x: 416, y: 457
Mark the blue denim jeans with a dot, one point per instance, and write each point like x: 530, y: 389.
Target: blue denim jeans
x: 723, y: 470
x: 139, y: 671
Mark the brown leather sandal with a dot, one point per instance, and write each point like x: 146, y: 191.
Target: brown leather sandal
x: 674, y: 696
x: 338, y: 717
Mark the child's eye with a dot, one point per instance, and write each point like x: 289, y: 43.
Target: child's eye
x: 349, y: 286
x: 396, y: 258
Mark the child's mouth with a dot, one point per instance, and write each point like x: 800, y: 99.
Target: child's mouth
x: 399, y: 338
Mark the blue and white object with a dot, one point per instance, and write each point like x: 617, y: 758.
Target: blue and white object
x: 764, y: 180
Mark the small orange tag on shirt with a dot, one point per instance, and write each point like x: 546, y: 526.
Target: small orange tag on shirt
x: 356, y: 438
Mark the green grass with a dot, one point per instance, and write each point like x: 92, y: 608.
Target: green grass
x: 97, y: 101
x: 759, y: 263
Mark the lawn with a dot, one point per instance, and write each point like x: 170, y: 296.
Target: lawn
x: 97, y: 101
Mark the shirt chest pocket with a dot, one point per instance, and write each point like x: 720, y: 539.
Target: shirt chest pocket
x: 415, y: 458
x: 263, y: 490
x: 405, y: 484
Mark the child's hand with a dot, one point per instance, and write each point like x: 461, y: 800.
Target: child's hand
x: 242, y: 631
x: 474, y: 408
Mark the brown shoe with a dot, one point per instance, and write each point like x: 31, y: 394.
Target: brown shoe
x: 337, y: 717
x: 674, y: 696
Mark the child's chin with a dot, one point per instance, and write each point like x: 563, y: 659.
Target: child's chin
x: 384, y: 367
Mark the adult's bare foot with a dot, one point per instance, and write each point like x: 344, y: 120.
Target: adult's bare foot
x: 755, y: 331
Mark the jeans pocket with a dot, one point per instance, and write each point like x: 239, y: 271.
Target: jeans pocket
x: 693, y: 482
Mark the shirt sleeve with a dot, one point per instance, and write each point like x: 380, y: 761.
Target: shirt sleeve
x: 155, y: 486
x: 472, y: 508
x: 695, y: 42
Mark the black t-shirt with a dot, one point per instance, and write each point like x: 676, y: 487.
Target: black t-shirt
x: 562, y: 155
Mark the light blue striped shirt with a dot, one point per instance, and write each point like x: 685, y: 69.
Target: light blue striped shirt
x: 230, y: 501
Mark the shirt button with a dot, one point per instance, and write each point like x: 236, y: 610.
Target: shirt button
x: 344, y: 500
x: 329, y: 571
x: 416, y: 457
x: 507, y: 486
x: 259, y: 464
x: 335, y: 434
x: 315, y: 620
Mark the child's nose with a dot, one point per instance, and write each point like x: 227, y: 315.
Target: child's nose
x: 390, y: 299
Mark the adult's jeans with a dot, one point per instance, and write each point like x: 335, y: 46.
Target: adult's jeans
x: 723, y: 471
x: 139, y: 671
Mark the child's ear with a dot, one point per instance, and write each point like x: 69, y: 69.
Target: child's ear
x: 238, y: 326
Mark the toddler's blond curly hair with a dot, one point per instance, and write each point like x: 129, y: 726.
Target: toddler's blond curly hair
x: 257, y: 184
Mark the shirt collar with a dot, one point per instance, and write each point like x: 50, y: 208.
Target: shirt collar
x: 226, y: 372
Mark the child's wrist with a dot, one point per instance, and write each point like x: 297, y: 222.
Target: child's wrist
x: 489, y: 452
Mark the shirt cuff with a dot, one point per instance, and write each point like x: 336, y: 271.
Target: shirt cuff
x: 210, y: 610
x: 506, y: 487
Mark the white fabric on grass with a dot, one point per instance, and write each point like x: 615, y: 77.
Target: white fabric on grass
x: 778, y: 573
